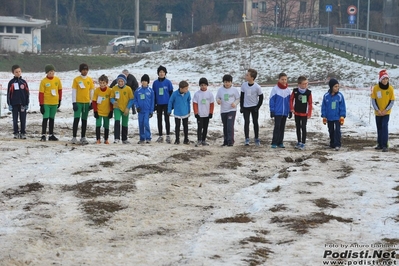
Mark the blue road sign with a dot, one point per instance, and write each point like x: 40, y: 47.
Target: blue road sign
x: 328, y: 8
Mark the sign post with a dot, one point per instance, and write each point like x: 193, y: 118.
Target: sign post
x: 328, y: 10
x: 352, y: 11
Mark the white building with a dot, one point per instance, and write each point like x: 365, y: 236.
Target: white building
x: 21, y: 34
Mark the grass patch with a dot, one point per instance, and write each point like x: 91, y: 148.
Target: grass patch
x: 94, y: 188
x: 99, y: 212
x: 239, y: 218
x: 22, y: 190
x: 324, y: 203
x: 302, y: 224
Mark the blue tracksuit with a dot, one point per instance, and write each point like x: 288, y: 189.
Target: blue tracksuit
x: 144, y: 103
x: 332, y: 108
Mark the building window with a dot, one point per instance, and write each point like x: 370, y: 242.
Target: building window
x: 18, y: 29
x: 9, y: 29
x: 302, y: 7
x: 254, y: 5
x: 262, y: 7
x: 1, y: 28
x: 28, y: 30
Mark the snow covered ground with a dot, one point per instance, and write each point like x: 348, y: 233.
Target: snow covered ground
x: 165, y: 204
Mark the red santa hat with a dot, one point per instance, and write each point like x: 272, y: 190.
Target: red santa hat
x: 383, y: 74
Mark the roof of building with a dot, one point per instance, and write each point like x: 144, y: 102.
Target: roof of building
x: 23, y: 21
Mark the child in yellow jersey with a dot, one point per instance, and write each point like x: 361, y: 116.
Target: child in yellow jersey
x: 50, y: 96
x: 82, y: 94
x: 102, y: 108
x: 122, y: 101
x: 382, y: 99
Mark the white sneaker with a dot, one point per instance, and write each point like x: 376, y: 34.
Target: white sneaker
x: 257, y: 142
x: 168, y: 139
x: 74, y: 141
x: 160, y: 139
x: 83, y: 141
x: 246, y: 142
x: 116, y: 141
x: 199, y: 143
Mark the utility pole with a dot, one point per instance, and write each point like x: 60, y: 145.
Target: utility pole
x: 56, y: 12
x: 367, y: 33
x: 136, y: 30
x: 358, y: 14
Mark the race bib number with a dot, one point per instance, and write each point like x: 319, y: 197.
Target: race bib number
x: 379, y: 94
x: 53, y: 92
x: 160, y: 91
x: 226, y: 97
x: 117, y: 95
x: 100, y: 99
x: 203, y: 101
x: 142, y: 96
x: 16, y: 86
x: 81, y: 85
x: 333, y: 105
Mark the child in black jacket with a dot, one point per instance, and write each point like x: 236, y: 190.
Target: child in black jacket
x: 18, y: 101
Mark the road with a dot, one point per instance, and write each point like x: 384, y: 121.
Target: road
x: 374, y: 45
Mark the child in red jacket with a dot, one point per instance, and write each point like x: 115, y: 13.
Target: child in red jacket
x: 301, y: 106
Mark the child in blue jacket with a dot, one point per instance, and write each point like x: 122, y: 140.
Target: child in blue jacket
x: 333, y: 112
x: 18, y: 101
x: 163, y: 89
x: 144, y: 102
x: 180, y: 103
x: 279, y: 104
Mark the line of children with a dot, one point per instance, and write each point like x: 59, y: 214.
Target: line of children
x: 117, y: 101
x: 203, y: 105
x: 144, y: 104
x: 18, y: 101
x: 102, y: 107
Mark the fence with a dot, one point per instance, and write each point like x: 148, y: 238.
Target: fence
x: 314, y: 35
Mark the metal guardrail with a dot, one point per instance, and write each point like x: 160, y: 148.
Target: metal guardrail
x: 313, y: 35
x: 372, y: 34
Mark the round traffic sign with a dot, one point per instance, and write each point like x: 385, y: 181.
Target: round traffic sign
x: 352, y: 10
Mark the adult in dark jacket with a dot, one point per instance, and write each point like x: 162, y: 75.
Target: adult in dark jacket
x: 131, y: 81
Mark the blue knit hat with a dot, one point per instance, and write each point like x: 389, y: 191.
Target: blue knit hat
x: 122, y: 77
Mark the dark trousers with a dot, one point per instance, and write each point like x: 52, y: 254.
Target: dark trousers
x: 382, y: 130
x: 18, y: 113
x: 228, y: 120
x: 163, y: 109
x: 334, y: 129
x: 279, y: 128
x: 255, y: 115
x: 300, y: 123
x: 202, y: 128
x: 185, y: 128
